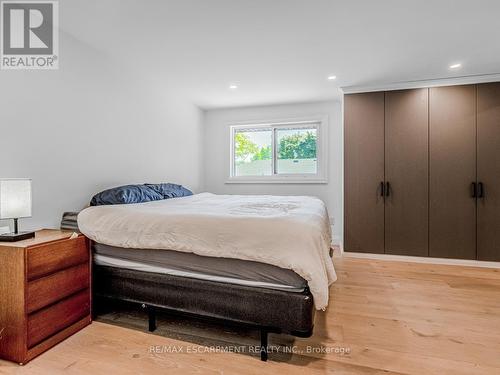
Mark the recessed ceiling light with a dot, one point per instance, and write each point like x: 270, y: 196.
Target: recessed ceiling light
x: 455, y: 66
x: 233, y: 87
x: 331, y: 78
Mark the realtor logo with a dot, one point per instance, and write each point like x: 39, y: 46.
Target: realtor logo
x: 29, y: 35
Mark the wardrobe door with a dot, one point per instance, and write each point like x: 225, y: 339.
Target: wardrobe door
x: 364, y: 172
x: 406, y: 172
x: 488, y: 171
x: 452, y: 209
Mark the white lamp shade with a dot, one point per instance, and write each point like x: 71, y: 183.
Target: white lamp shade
x: 15, y: 198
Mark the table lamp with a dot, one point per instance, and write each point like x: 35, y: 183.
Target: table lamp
x: 15, y: 203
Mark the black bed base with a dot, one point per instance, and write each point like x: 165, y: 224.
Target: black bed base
x: 269, y: 311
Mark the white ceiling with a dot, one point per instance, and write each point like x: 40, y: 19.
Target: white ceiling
x: 280, y: 51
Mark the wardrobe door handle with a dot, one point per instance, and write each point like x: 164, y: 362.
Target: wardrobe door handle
x: 473, y: 190
x: 387, y: 189
x: 382, y: 191
x: 480, y: 190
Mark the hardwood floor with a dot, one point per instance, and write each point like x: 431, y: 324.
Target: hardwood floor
x: 391, y: 317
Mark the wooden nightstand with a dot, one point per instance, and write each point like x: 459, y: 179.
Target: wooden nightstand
x: 44, y: 292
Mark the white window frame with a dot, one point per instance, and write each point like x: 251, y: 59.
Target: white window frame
x: 308, y: 178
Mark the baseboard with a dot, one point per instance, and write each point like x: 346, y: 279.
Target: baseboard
x: 404, y: 258
x: 337, y: 243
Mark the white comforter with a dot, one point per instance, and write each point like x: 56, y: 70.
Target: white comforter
x: 288, y: 232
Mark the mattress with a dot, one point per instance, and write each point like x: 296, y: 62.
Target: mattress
x: 290, y: 232
x: 225, y: 270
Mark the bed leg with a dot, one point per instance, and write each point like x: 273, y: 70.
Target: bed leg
x: 151, y: 317
x: 263, y: 345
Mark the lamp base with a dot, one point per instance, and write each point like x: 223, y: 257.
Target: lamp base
x: 14, y: 237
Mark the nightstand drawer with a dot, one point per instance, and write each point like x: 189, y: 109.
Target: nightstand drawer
x: 51, y: 257
x: 46, y: 290
x: 55, y: 318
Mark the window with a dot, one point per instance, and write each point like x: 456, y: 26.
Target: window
x: 286, y: 151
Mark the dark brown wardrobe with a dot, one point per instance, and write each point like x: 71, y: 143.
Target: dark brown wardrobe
x: 422, y: 172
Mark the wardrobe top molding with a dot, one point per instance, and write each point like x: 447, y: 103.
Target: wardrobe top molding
x: 455, y: 81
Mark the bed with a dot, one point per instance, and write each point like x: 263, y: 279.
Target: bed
x: 260, y: 261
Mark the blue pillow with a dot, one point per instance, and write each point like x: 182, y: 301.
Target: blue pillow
x: 125, y: 195
x: 170, y: 190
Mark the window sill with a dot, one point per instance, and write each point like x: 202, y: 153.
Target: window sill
x: 278, y: 180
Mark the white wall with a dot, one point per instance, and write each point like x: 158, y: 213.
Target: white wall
x: 90, y: 126
x: 216, y: 154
